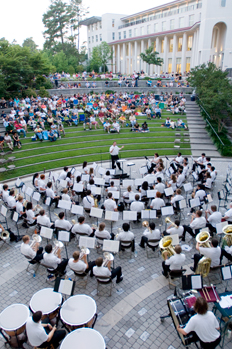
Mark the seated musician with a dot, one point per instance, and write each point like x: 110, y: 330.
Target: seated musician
x: 126, y: 196
x: 213, y: 219
x: 54, y: 262
x: 204, y: 324
x: 81, y: 266
x: 63, y: 174
x: 159, y: 186
x: 88, y: 202
x: 228, y: 215
x: 109, y: 204
x: 44, y: 220
x: 11, y: 201
x: 100, y: 270
x: 83, y: 228
x: 31, y: 218
x: 126, y: 235
x: 197, y: 222
x: 176, y: 198
x: 214, y: 253
x: 101, y: 232
x: 19, y: 207
x: 62, y: 223
x: 174, y: 228
x: 157, y: 203
x: 180, y: 178
x: 111, y: 187
x: 175, y: 262
x: 35, y: 252
x: 137, y: 206
x: 51, y: 194
x: 41, y: 334
x: 150, y: 234
x: 199, y: 193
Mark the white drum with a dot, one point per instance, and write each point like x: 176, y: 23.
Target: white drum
x: 86, y: 338
x: 78, y: 311
x: 47, y: 301
x: 14, y: 318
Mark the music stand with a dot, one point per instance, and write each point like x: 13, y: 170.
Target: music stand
x: 96, y: 212
x: 46, y: 233
x: 64, y: 286
x: 111, y: 216
x: 194, y: 202
x: 65, y: 237
x: 226, y: 272
x: 66, y: 205
x: 4, y: 213
x: 76, y: 209
x: 87, y: 242
x: 192, y: 282
x: 15, y: 219
x: 36, y: 196
x: 148, y: 214
x: 48, y: 204
x: 29, y: 192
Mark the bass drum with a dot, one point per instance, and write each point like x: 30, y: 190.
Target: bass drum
x: 180, y: 315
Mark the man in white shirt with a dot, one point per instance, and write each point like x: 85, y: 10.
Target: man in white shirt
x: 213, y: 219
x: 54, y: 262
x: 197, y: 222
x: 200, y: 193
x: 100, y: 270
x: 61, y: 223
x: 88, y: 202
x: 228, y: 215
x: 41, y: 333
x: 35, y: 252
x: 137, y: 206
x: 159, y: 186
x: 82, y: 228
x: 19, y: 206
x: 5, y: 192
x: 177, y: 198
x: 179, y: 159
x: 110, y: 204
x: 81, y: 265
x: 126, y: 235
x: 114, y: 150
x: 174, y: 228
x: 214, y: 253
x: 180, y: 179
x: 44, y: 220
x: 11, y: 202
x: 157, y: 203
x: 175, y: 262
x: 51, y: 194
x: 150, y: 234
x: 63, y: 174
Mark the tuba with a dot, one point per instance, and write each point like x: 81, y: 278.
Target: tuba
x: 168, y: 220
x: 57, y: 245
x: 203, y: 239
x: 203, y: 267
x: 227, y: 239
x: 165, y: 245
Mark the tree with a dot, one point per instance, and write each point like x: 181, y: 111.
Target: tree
x: 101, y: 55
x: 150, y: 57
x: 79, y: 12
x: 29, y: 42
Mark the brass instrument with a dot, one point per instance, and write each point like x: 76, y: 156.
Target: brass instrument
x: 94, y: 226
x: 165, y: 245
x: 56, y: 214
x: 73, y: 222
x: 35, y: 239
x: 119, y: 231
x: 203, y: 267
x: 4, y: 235
x: 95, y: 203
x: 227, y: 239
x: 145, y: 224
x: 108, y: 257
x: 58, y: 246
x: 203, y: 239
x: 168, y: 220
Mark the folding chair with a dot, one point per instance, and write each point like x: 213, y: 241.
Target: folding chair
x: 175, y: 274
x: 154, y: 248
x: 104, y: 280
x: 126, y: 245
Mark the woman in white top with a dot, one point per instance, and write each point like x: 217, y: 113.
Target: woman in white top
x: 172, y: 182
x: 208, y: 181
x: 85, y: 167
x: 204, y: 324
x: 126, y: 195
x: 35, y: 180
x: 19, y: 206
x: 143, y: 190
x: 102, y: 233
x: 31, y: 219
x: 107, y: 178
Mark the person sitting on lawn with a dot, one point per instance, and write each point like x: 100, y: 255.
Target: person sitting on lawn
x: 52, y: 135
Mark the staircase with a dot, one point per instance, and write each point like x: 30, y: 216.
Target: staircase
x: 200, y: 140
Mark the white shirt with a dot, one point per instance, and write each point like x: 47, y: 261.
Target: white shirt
x: 88, y: 202
x: 214, y: 253
x: 114, y: 150
x: 176, y: 198
x: 173, y: 230
x: 215, y: 218
x: 19, y: 207
x: 137, y: 206
x: 110, y: 205
x: 66, y: 197
x: 51, y: 260
x: 44, y: 220
x: 157, y: 203
x: 197, y: 223
x: 160, y: 187
x: 153, y: 235
x: 229, y: 213
x: 126, y: 196
x: 11, y: 201
x: 30, y: 215
x: 176, y: 261
x: 205, y: 327
x: 42, y: 185
x: 180, y: 159
x: 78, y: 266
x: 201, y: 194
x: 180, y: 180
x: 82, y: 228
x: 101, y: 271
x: 63, y: 175
x: 125, y: 236
x: 63, y: 224
x: 36, y: 333
x: 26, y: 250
x: 103, y: 234
x: 50, y: 193
x: 5, y: 195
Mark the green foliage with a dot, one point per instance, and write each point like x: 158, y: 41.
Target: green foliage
x: 101, y: 55
x: 29, y: 92
x: 29, y: 42
x: 43, y: 92
x: 151, y: 57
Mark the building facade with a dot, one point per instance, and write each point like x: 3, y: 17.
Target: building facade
x: 186, y: 33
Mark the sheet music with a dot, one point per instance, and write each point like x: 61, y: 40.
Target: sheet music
x: 167, y: 211
x: 99, y: 181
x: 46, y: 232
x: 194, y: 202
x: 18, y: 182
x: 138, y: 182
x: 209, y: 198
x: 29, y: 191
x: 148, y: 214
x: 96, y: 212
x: 111, y: 216
x: 36, y: 196
x: 167, y: 173
x: 226, y: 272
x: 96, y: 190
x: 66, y: 205
x: 63, y: 183
x: 94, y: 165
x: 64, y: 236
x: 78, y: 188
x: 86, y: 241
x: 127, y: 182
x: 15, y: 216
x: 143, y: 170
x: 48, y: 201
x: 130, y: 215
x: 116, y: 182
x: 112, y: 171
x: 65, y: 287
x: 168, y: 191
x: 101, y: 170
x: 110, y: 246
x: 85, y: 177
x: 77, y: 173
x: 73, y: 170
x: 182, y: 204
x: 3, y: 210
x: 171, y: 170
x: 76, y: 209
x: 23, y: 188
x: 175, y: 239
x: 220, y: 226
x: 114, y: 193
x: 196, y: 282
x: 151, y: 193
x: 188, y: 187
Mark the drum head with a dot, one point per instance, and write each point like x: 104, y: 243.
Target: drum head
x: 45, y: 300
x: 14, y: 317
x: 175, y: 308
x: 83, y: 338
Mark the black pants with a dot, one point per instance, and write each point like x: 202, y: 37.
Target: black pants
x: 57, y: 337
x: 90, y: 268
x: 210, y: 345
x: 39, y: 255
x: 114, y: 159
x: 166, y: 268
x: 196, y: 259
x: 225, y: 254
x: 212, y: 230
x: 62, y: 266
x: 189, y: 230
x: 116, y: 272
x: 143, y: 241
x: 121, y: 247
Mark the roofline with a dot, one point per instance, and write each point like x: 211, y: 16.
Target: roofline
x: 155, y: 34
x: 153, y: 8
x: 93, y: 19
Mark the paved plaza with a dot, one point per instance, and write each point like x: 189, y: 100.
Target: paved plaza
x: 130, y: 318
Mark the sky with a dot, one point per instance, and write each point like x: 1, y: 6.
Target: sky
x: 22, y: 19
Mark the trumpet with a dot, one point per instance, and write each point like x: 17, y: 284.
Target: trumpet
x: 165, y: 245
x: 168, y: 220
x: 146, y: 225
x: 227, y: 239
x: 58, y: 246
x: 203, y: 239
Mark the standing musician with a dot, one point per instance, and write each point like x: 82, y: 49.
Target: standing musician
x: 174, y: 262
x: 204, y: 324
x: 114, y: 150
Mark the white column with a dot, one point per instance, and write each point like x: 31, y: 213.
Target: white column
x: 174, y: 53
x: 118, y: 59
x: 129, y: 66
x: 165, y: 54
x: 157, y: 67
x: 114, y: 59
x: 123, y: 59
x: 183, y: 56
x: 135, y: 56
x: 193, y: 51
x: 150, y: 68
x: 142, y: 51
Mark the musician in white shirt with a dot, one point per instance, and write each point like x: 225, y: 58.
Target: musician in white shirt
x: 177, y: 198
x: 137, y: 205
x: 44, y: 220
x: 150, y: 234
x: 88, y: 202
x: 51, y: 194
x: 114, y: 150
x: 214, y: 253
x: 180, y: 179
x: 42, y: 184
x: 54, y: 262
x: 35, y: 252
x: 179, y: 159
x: 19, y: 206
x: 63, y: 174
x: 175, y: 262
x: 200, y: 193
x: 157, y: 203
x: 126, y: 235
x: 100, y: 270
x: 228, y: 214
x: 159, y: 186
x: 81, y: 265
x: 110, y: 204
x: 11, y: 202
x: 102, y: 233
x: 197, y: 222
x: 61, y: 223
x: 5, y: 192
x: 213, y: 219
x: 174, y: 228
x: 126, y: 195
x: 82, y: 228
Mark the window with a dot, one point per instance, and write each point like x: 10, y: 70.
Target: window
x: 89, y: 28
x: 178, y: 65
x: 180, y: 43
x: 191, y: 20
x: 96, y: 38
x: 124, y: 35
x: 163, y: 26
x: 172, y: 24
x: 119, y: 35
x: 181, y: 22
x: 96, y: 26
x: 162, y: 46
x: 155, y: 28
x: 190, y: 43
x: 141, y: 30
x: 130, y: 33
x: 113, y: 36
x: 89, y: 40
x: 100, y: 37
x: 171, y: 45
x: 149, y: 29
x: 135, y: 32
x: 100, y: 25
x: 92, y: 38
x: 223, y: 3
x: 92, y: 27
x: 188, y: 59
x: 169, y: 65
x: 113, y: 21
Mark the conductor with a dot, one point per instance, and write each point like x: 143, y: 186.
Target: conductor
x: 114, y: 150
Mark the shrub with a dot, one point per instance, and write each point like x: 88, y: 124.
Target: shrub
x: 29, y: 92
x: 109, y: 91
x: 43, y: 92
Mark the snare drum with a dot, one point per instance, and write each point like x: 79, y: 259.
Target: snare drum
x: 47, y: 301
x: 83, y: 338
x: 78, y: 311
x: 13, y: 319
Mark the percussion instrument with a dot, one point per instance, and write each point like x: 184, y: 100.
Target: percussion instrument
x: 203, y: 239
x: 78, y: 311
x: 47, y: 301
x: 83, y: 338
x: 227, y: 239
x: 35, y: 239
x: 84, y: 251
x: 58, y: 245
x: 108, y: 257
x: 165, y: 245
x: 13, y: 319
